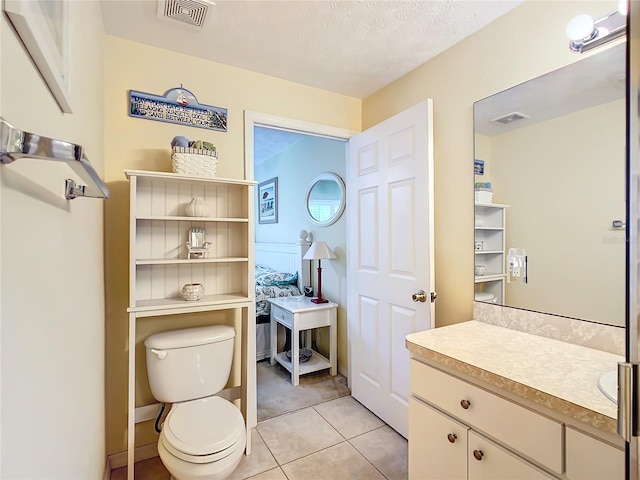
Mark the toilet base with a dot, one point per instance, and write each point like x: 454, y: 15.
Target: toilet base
x: 219, y: 470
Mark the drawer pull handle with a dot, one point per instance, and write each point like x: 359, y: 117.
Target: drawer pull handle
x: 477, y: 454
x: 465, y: 404
x: 452, y: 437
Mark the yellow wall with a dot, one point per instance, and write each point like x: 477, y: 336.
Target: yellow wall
x: 53, y: 396
x: 563, y: 180
x: 132, y: 143
x: 527, y: 42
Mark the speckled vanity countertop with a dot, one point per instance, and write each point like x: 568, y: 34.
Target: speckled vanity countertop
x: 555, y: 374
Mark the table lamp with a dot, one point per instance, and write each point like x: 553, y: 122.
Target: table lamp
x: 319, y: 251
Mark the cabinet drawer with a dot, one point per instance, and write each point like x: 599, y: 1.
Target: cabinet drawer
x: 534, y: 435
x: 282, y: 316
x: 591, y: 459
x: 488, y: 461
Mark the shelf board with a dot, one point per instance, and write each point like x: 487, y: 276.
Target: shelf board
x: 197, y: 305
x: 315, y: 363
x: 491, y: 205
x: 174, y: 261
x: 192, y: 219
x: 175, y: 176
x: 490, y: 228
x: 489, y: 252
x: 492, y: 277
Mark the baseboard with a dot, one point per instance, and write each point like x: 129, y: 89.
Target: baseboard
x: 344, y: 372
x: 144, y: 452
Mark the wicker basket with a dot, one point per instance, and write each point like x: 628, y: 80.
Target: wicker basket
x: 194, y: 162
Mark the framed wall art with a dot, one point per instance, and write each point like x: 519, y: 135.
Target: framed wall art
x: 43, y: 28
x: 268, y: 201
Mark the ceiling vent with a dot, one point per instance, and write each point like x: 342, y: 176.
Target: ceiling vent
x: 191, y: 12
x: 510, y: 118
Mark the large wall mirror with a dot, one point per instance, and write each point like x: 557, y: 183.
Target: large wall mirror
x: 554, y: 154
x: 325, y: 199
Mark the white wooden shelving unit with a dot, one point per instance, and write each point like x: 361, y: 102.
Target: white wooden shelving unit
x: 158, y: 268
x: 490, y: 229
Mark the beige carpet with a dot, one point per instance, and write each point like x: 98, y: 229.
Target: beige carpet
x: 276, y: 394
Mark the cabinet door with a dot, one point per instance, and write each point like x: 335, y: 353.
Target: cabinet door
x: 591, y: 459
x: 437, y: 444
x: 488, y: 461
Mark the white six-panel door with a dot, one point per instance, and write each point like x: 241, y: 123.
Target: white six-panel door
x: 390, y: 256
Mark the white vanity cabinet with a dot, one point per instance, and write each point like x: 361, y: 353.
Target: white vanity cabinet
x: 440, y: 401
x: 490, y: 244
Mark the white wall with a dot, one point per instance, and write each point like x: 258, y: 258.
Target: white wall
x: 296, y: 167
x: 52, y: 311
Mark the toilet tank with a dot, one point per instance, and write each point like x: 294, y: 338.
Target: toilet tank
x: 189, y: 363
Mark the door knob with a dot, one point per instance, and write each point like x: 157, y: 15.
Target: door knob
x: 419, y: 296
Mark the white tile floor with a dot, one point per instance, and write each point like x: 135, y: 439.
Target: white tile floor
x: 335, y: 440
x: 338, y: 439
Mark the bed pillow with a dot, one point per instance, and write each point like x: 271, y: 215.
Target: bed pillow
x: 268, y: 277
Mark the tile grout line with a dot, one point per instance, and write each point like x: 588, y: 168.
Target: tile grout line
x: 363, y: 455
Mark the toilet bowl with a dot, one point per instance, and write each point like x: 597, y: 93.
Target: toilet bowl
x: 203, y: 436
x: 202, y: 439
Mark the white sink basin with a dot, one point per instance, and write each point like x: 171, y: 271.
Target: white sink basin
x: 608, y: 384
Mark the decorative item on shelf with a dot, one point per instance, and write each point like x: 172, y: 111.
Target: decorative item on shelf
x: 192, y: 291
x: 196, y: 208
x: 197, y: 246
x: 308, y: 291
x: 483, y: 192
x: 479, y: 245
x: 319, y: 250
x: 304, y: 354
x: 480, y: 270
x: 194, y: 162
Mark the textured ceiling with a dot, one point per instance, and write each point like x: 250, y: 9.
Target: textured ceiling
x: 349, y: 47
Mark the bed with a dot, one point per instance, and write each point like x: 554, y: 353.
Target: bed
x: 280, y: 272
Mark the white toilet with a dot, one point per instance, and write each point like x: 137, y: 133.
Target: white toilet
x: 203, y: 437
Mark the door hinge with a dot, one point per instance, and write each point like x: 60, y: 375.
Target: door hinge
x: 628, y: 385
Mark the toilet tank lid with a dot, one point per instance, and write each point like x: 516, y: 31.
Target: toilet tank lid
x: 190, y: 337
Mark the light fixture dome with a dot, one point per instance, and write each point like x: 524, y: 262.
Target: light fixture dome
x: 581, y: 28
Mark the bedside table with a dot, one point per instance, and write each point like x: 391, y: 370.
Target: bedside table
x: 302, y: 316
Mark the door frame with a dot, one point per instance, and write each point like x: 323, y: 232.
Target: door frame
x: 254, y: 119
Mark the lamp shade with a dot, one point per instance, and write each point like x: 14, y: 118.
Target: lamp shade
x: 319, y: 251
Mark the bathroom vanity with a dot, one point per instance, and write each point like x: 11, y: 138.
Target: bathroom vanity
x: 490, y: 402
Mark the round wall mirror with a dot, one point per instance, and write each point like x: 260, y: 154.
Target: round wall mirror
x: 325, y: 199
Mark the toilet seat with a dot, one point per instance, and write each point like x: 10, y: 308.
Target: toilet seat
x: 203, y: 431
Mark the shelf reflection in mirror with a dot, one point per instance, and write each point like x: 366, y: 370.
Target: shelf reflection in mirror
x: 561, y: 170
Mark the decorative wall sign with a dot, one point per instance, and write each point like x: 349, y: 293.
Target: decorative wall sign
x: 178, y: 105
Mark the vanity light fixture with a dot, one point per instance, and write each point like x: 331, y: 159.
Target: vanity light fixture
x: 586, y: 33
